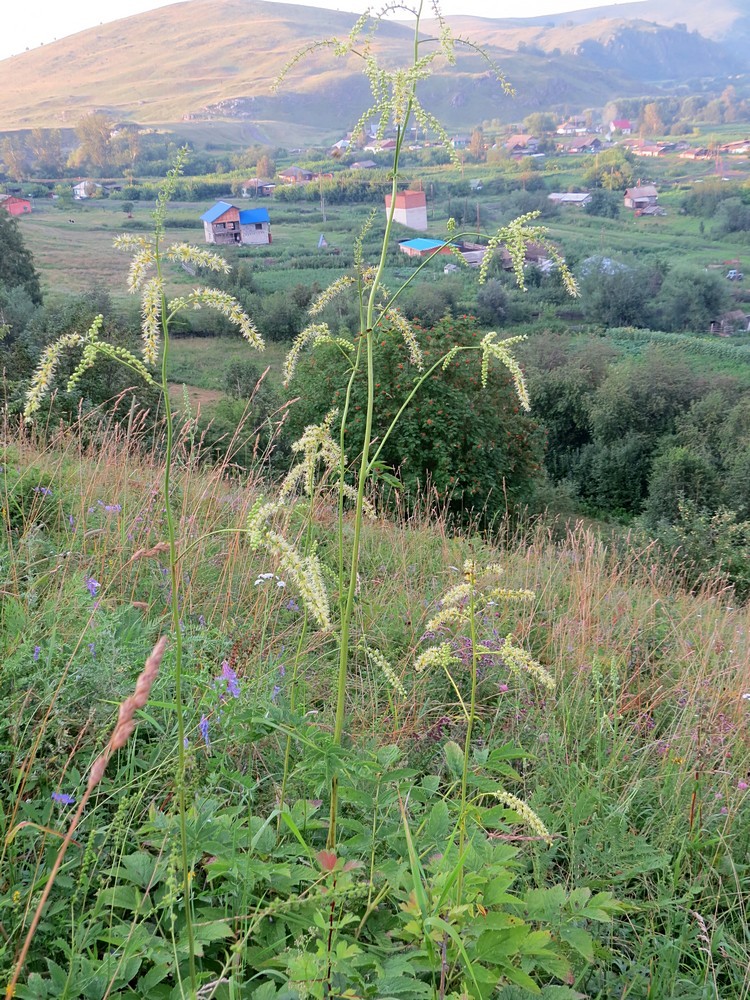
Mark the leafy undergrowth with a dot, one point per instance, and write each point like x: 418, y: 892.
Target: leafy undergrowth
x: 604, y: 848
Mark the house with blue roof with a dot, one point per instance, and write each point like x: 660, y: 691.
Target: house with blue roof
x: 226, y: 224
x: 423, y: 247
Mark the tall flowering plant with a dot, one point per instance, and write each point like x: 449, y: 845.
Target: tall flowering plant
x: 396, y: 104
x: 150, y: 256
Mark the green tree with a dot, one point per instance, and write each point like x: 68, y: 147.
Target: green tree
x: 651, y: 120
x: 613, y: 169
x: 17, y: 268
x: 14, y: 157
x: 615, y: 294
x: 605, y: 204
x: 539, y: 122
x: 45, y: 146
x: 679, y: 474
x: 265, y: 168
x: 94, y: 132
x: 690, y: 298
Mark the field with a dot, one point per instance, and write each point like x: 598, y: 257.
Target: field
x: 392, y: 684
x: 637, y: 764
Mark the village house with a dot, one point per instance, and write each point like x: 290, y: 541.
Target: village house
x: 226, y: 224
x: 576, y: 198
x: 701, y: 153
x: 86, y: 189
x: 592, y: 145
x: 423, y: 247
x: 730, y: 323
x: 653, y: 149
x: 641, y: 197
x: 15, y: 205
x: 296, y: 175
x: 521, y: 143
x: 364, y: 165
x: 410, y: 209
x: 256, y: 188
x: 735, y: 148
x: 573, y: 126
x: 622, y: 125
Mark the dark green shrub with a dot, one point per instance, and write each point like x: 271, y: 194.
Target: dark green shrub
x: 471, y: 445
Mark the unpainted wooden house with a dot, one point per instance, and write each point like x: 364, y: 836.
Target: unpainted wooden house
x: 641, y: 197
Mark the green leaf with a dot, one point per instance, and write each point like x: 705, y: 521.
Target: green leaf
x: 265, y: 992
x: 500, y: 943
x: 454, y: 758
x: 438, y: 822
x: 520, y: 978
x: 580, y: 941
x: 495, y: 892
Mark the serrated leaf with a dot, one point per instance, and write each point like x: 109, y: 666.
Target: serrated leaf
x: 438, y: 822
x: 580, y: 941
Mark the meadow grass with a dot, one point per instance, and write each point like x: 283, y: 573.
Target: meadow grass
x: 637, y: 764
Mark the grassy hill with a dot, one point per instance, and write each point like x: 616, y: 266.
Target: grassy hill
x: 201, y: 60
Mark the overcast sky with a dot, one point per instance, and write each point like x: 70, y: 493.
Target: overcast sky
x: 28, y: 23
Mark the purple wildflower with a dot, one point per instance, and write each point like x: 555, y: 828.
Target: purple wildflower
x: 63, y: 798
x: 201, y: 621
x: 230, y: 676
x: 71, y: 521
x: 92, y: 648
x: 92, y: 586
x: 113, y: 508
x: 37, y: 652
x: 291, y: 605
x: 203, y: 727
x: 44, y: 490
x: 275, y: 692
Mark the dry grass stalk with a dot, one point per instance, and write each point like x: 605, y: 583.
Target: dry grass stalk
x: 120, y: 735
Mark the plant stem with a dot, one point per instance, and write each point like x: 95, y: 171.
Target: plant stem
x: 177, y: 630
x: 467, y: 741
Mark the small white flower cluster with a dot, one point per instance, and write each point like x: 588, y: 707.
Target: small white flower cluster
x: 315, y: 333
x: 522, y: 662
x: 526, y: 813
x: 305, y: 572
x: 329, y: 294
x: 397, y: 319
x: 386, y: 669
x: 441, y: 656
x: 185, y: 253
x: 228, y: 306
x: 151, y: 300
x: 265, y: 577
x: 499, y: 350
x: 42, y: 379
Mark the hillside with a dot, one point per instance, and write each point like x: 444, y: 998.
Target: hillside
x: 175, y: 64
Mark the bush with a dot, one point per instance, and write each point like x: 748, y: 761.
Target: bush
x: 471, y: 445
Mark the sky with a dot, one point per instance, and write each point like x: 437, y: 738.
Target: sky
x: 34, y: 22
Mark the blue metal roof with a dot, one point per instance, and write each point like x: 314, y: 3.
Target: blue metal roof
x: 250, y: 215
x: 421, y: 243
x: 213, y: 213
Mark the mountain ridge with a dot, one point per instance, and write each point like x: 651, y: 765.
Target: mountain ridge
x: 178, y: 62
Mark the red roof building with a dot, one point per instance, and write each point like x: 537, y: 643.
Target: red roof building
x: 14, y: 205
